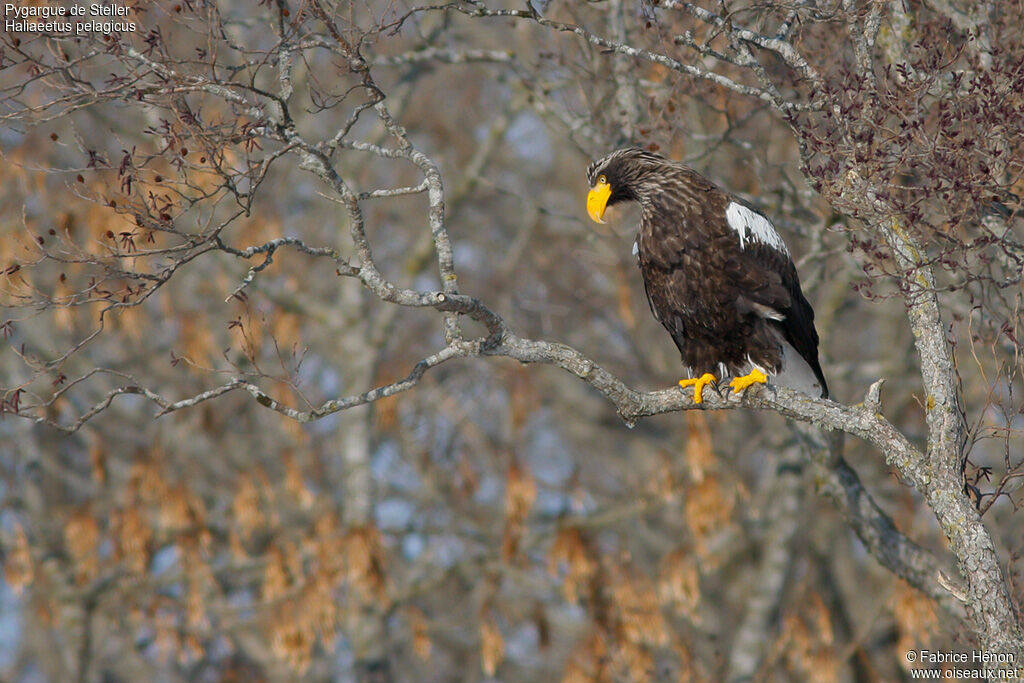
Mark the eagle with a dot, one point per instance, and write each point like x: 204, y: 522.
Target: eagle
x: 718, y: 276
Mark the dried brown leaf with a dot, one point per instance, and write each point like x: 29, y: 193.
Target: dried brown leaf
x: 18, y: 567
x: 708, y: 510
x: 134, y: 535
x: 492, y: 645
x: 421, y: 643
x: 569, y: 548
x: 245, y: 507
x: 82, y: 539
x: 363, y: 550
x: 679, y: 583
x: 699, y: 457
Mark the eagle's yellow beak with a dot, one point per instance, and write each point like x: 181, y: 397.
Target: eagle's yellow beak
x: 597, y: 199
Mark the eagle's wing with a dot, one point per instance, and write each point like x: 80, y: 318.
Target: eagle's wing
x: 770, y: 287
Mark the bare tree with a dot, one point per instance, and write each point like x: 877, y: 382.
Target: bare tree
x: 350, y: 218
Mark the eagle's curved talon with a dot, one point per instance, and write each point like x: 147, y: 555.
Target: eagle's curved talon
x: 698, y: 385
x: 755, y: 376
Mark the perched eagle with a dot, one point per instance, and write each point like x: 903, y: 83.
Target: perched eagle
x: 717, y: 275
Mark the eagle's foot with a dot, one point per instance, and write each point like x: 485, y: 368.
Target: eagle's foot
x: 755, y: 376
x: 698, y: 385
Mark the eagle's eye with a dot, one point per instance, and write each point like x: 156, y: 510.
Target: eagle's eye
x: 602, y: 180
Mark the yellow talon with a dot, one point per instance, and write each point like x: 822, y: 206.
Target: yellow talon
x: 755, y: 376
x: 698, y: 385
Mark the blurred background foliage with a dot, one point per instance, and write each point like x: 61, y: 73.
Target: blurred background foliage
x: 498, y: 521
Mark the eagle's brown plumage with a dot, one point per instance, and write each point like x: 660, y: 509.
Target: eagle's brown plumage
x: 717, y: 275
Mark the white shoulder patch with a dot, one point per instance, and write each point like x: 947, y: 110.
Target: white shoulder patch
x: 750, y: 225
x: 636, y: 249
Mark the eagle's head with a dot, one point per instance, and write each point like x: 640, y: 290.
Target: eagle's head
x: 618, y: 177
